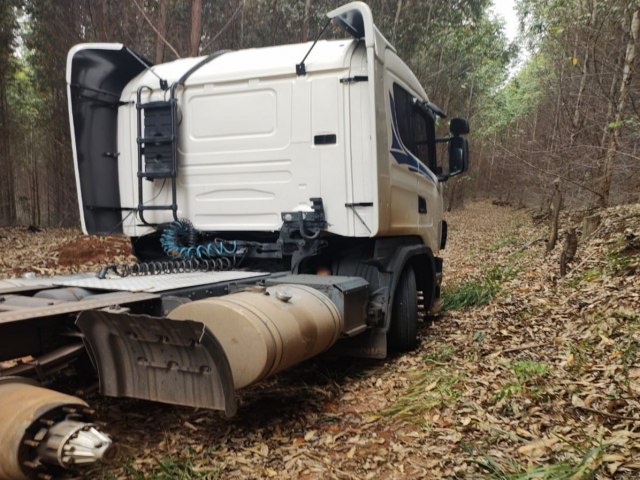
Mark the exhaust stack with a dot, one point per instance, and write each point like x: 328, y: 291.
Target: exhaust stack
x: 43, y: 432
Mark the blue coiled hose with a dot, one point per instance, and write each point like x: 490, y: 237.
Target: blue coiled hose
x: 179, y: 240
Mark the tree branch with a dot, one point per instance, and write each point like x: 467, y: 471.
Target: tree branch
x: 226, y: 25
x: 155, y: 29
x: 549, y: 173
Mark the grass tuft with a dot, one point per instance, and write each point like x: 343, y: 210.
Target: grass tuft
x: 430, y: 389
x: 165, y: 469
x: 529, y: 375
x: 474, y: 293
x: 440, y: 354
x: 582, y: 468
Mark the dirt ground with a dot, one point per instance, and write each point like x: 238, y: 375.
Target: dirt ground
x: 57, y: 251
x: 525, y: 375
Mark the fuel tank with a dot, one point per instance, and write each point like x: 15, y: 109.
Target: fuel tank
x: 203, y: 351
x: 266, y: 330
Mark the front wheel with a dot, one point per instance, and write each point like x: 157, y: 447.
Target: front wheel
x: 402, y: 335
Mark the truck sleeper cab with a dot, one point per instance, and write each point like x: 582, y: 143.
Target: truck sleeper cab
x: 314, y: 164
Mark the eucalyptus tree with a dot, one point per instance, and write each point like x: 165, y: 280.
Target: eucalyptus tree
x: 577, y: 119
x: 8, y: 27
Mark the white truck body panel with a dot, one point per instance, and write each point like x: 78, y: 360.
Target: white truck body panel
x: 246, y: 150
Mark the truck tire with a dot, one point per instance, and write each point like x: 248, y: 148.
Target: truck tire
x: 402, y: 335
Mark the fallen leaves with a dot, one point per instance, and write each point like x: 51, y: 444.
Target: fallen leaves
x: 543, y: 378
x: 55, y: 251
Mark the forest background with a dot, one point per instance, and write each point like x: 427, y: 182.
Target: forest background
x: 569, y: 114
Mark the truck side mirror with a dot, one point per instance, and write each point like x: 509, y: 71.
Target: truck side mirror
x: 459, y: 126
x: 458, y: 156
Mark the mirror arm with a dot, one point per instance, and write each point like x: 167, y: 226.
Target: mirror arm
x: 429, y: 108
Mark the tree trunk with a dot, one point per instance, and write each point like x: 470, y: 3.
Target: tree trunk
x: 35, y: 197
x: 196, y: 28
x: 576, y: 120
x: 470, y: 98
x: 274, y: 21
x: 9, y: 206
x: 395, y: 20
x: 493, y: 157
x: 554, y: 217
x: 162, y: 31
x: 610, y: 109
x: 242, y: 25
x: 614, y: 139
x: 305, y: 22
x: 556, y: 114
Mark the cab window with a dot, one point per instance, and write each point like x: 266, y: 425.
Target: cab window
x: 416, y: 128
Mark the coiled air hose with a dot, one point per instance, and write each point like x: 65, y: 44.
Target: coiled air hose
x: 180, y: 238
x: 179, y: 241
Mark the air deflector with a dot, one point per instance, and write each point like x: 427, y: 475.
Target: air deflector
x: 96, y: 75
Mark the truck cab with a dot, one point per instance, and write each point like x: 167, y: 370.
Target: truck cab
x: 312, y: 158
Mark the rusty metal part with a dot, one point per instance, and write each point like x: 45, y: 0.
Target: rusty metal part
x: 67, y: 294
x: 88, y: 303
x: 208, y: 348
x: 46, y: 364
x: 31, y: 421
x: 9, y: 303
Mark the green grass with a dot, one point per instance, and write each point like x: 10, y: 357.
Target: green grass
x: 529, y: 376
x: 176, y: 469
x: 582, y: 468
x: 587, y: 276
x: 620, y: 263
x: 479, y: 292
x: 430, y: 389
x: 529, y: 371
x: 440, y: 354
x: 505, y: 242
x: 434, y: 387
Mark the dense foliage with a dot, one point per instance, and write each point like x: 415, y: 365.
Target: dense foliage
x: 571, y: 112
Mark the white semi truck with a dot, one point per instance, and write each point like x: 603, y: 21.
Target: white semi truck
x: 281, y: 202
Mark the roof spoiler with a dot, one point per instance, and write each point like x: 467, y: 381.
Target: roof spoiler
x: 356, y: 19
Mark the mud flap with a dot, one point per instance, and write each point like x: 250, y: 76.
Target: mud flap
x: 171, y: 361
x: 370, y: 344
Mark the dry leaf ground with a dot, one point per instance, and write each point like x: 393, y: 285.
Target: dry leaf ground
x: 526, y: 375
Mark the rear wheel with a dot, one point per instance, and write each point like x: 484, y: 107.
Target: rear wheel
x: 402, y: 334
